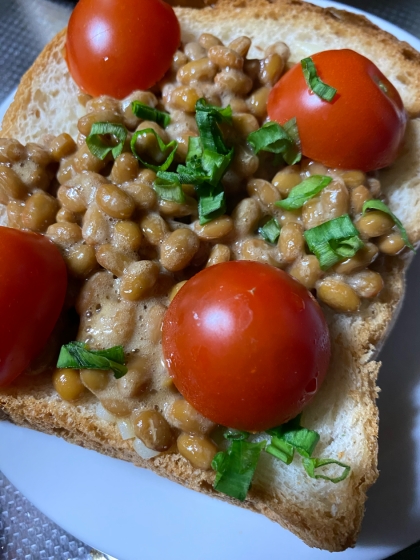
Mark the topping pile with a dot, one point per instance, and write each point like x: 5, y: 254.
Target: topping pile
x: 165, y: 183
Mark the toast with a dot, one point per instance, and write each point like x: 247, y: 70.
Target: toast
x: 344, y: 412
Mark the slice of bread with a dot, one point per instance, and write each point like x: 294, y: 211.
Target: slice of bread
x: 344, y: 412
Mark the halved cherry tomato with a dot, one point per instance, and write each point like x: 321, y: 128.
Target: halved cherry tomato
x: 361, y: 128
x: 117, y: 46
x: 246, y: 345
x: 33, y: 282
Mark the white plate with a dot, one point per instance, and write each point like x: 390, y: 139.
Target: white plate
x: 131, y: 513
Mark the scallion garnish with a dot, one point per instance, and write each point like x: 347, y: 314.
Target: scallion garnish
x: 270, y: 231
x: 306, y: 190
x: 77, y: 355
x: 333, y: 241
x: 281, y: 450
x: 203, y: 166
x: 322, y: 90
x: 207, y: 161
x: 208, y: 118
x: 211, y: 202
x: 382, y: 207
x: 147, y: 113
x: 235, y: 467
x: 162, y: 147
x: 277, y: 139
x: 95, y: 141
x: 168, y: 187
x: 310, y: 464
x: 301, y: 439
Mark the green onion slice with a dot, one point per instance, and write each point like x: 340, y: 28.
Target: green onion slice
x: 208, y: 118
x: 333, y: 241
x: 235, y: 468
x: 310, y: 464
x: 211, y: 202
x: 281, y: 449
x: 162, y: 147
x: 322, y: 90
x: 300, y: 438
x: 277, y: 139
x: 382, y: 207
x: 168, y: 187
x: 306, y: 190
x: 195, y: 149
x: 77, y: 355
x: 95, y: 141
x: 270, y: 231
x: 147, y: 113
x: 232, y: 433
x: 209, y: 167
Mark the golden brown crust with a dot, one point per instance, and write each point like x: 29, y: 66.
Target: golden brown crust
x: 350, y: 389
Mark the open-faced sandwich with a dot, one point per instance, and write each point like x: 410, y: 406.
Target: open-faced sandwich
x: 209, y: 217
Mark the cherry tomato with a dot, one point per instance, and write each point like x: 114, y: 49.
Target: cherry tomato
x: 246, y: 345
x: 33, y: 282
x: 361, y: 128
x: 117, y: 46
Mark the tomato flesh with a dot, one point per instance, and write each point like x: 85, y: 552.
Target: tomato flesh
x: 33, y: 282
x: 246, y: 345
x: 361, y: 128
x: 117, y: 46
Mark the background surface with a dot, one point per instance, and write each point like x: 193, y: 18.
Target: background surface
x: 25, y: 27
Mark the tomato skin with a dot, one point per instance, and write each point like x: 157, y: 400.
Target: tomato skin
x: 117, y: 46
x: 33, y: 285
x: 246, y: 345
x: 362, y: 128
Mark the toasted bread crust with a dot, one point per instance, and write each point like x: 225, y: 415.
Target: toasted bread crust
x: 349, y: 392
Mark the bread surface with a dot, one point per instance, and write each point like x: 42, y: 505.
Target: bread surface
x: 344, y: 412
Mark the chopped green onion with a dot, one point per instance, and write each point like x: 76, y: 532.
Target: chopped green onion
x: 210, y: 168
x: 293, y: 154
x: 215, y: 165
x: 333, y: 241
x: 306, y: 190
x: 281, y: 450
x: 231, y: 433
x: 300, y: 438
x: 96, y: 144
x: 211, y: 202
x: 143, y: 111
x: 303, y: 440
x: 168, y: 187
x: 322, y: 90
x: 270, y: 231
x: 208, y: 118
x: 195, y: 149
x: 162, y: 147
x: 382, y: 207
x: 235, y: 468
x: 347, y: 248
x: 312, y: 463
x: 77, y: 355
x: 206, y: 162
x: 277, y: 139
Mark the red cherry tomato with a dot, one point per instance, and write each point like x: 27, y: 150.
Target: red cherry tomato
x: 117, y: 46
x: 361, y: 128
x: 33, y: 282
x: 246, y: 345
